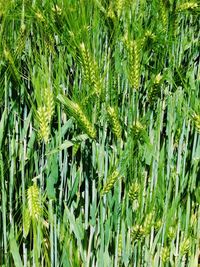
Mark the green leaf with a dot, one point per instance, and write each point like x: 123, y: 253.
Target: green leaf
x: 74, y: 188
x: 63, y: 146
x: 3, y: 120
x: 15, y: 250
x: 52, y: 178
x: 75, y: 226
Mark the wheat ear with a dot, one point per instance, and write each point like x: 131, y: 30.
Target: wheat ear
x: 187, y: 6
x: 110, y: 182
x: 134, y: 63
x: 114, y: 121
x: 90, y: 70
x: 34, y: 205
x: 49, y: 103
x: 75, y: 110
x: 43, y: 121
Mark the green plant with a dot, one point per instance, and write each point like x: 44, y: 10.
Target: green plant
x: 99, y: 133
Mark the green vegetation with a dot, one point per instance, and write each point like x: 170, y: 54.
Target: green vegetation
x: 99, y: 133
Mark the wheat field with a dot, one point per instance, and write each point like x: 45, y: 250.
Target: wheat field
x: 99, y: 133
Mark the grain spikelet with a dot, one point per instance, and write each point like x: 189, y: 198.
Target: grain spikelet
x: 34, y: 205
x: 115, y: 124
x: 49, y: 103
x: 45, y: 113
x: 134, y: 63
x: 120, y: 245
x: 185, y: 246
x: 137, y: 232
x: 193, y: 219
x: 75, y: 149
x: 187, y: 6
x: 171, y: 233
x: 90, y: 70
x: 39, y: 16
x: 134, y: 191
x: 44, y: 127
x: 119, y: 4
x: 196, y: 120
x: 148, y: 223
x: 155, y: 91
x: 111, y: 12
x: 27, y: 222
x: 164, y: 254
x: 57, y: 10
x: 138, y: 131
x: 158, y: 224
x: 75, y: 110
x: 164, y: 15
x: 149, y: 37
x: 110, y: 182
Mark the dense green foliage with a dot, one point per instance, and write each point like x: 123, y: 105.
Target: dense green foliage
x: 99, y: 133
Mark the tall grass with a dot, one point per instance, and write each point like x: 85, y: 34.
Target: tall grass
x: 99, y: 133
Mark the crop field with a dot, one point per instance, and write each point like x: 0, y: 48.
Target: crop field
x: 99, y: 133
